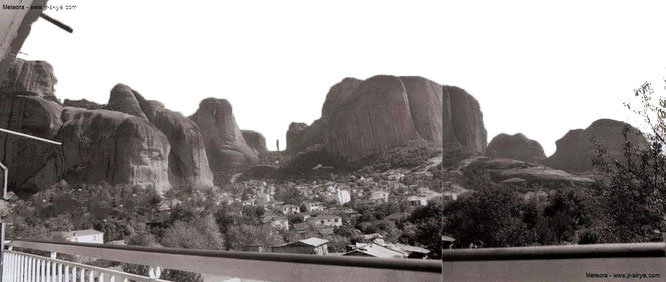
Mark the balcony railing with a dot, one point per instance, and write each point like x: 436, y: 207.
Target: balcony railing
x: 223, y: 264
x: 615, y: 262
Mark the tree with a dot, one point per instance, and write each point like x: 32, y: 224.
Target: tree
x: 637, y: 185
x: 240, y: 236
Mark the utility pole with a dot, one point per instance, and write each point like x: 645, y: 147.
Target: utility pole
x: 3, y: 224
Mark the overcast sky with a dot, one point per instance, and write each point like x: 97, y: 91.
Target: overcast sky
x: 536, y: 68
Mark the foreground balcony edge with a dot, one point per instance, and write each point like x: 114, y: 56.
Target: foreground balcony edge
x: 248, y: 265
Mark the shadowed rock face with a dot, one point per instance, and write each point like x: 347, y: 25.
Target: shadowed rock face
x: 227, y: 151
x: 32, y: 164
x: 575, y: 151
x: 376, y: 117
x: 255, y: 140
x: 102, y: 145
x: 517, y: 147
x: 30, y: 78
x: 188, y: 162
x: 466, y: 119
x: 27, y: 105
x: 83, y: 103
x: 381, y: 112
x: 122, y: 100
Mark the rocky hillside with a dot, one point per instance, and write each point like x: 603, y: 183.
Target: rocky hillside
x: 362, y: 116
x: 516, y: 147
x: 575, y: 151
x: 476, y: 172
x: 129, y: 140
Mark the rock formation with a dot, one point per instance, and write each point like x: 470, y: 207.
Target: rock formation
x: 529, y: 175
x: 517, y: 147
x: 466, y: 119
x: 123, y: 100
x: 83, y: 103
x: 359, y: 117
x: 27, y: 105
x: 575, y: 151
x: 255, y: 140
x: 377, y: 117
x: 30, y: 78
x: 227, y: 151
x: 188, y: 162
x: 114, y: 147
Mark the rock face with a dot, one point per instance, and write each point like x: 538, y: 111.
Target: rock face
x: 123, y: 100
x: 188, y: 162
x: 30, y: 78
x: 359, y: 117
x: 103, y: 145
x: 32, y: 164
x: 227, y: 151
x: 575, y: 151
x: 27, y: 105
x: 466, y: 119
x: 83, y: 103
x: 377, y: 117
x: 255, y: 140
x: 516, y: 147
x: 529, y: 175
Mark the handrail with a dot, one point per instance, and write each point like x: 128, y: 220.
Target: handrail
x: 629, y: 250
x: 263, y: 266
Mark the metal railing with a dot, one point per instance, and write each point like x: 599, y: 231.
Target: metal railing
x: 245, y: 265
x: 616, y: 262
x: 27, y: 267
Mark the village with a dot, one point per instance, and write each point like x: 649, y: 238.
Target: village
x: 311, y: 211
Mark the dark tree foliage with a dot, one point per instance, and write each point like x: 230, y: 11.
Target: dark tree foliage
x: 488, y: 218
x: 637, y: 186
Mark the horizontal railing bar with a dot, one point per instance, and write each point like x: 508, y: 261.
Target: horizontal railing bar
x: 397, y: 264
x: 263, y: 266
x: 629, y: 250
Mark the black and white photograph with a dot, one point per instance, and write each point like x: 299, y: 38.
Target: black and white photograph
x: 340, y: 140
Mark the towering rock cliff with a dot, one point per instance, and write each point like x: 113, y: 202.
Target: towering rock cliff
x: 28, y: 105
x: 30, y: 78
x: 516, y: 147
x: 255, y: 140
x: 188, y: 162
x: 377, y: 116
x: 359, y: 117
x: 114, y: 147
x: 227, y: 151
x: 575, y: 151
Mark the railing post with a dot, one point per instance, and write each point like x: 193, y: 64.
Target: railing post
x: 154, y: 272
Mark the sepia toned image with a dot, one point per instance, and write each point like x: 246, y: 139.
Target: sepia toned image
x: 332, y: 141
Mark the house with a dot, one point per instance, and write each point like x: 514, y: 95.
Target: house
x: 301, y: 227
x: 374, y: 250
x: 413, y: 251
x: 84, y: 236
x: 289, y: 209
x: 280, y: 223
x: 422, y: 190
x: 343, y: 196
x: 313, y: 206
x: 313, y: 245
x: 326, y: 220
x: 379, y: 196
x: 415, y: 201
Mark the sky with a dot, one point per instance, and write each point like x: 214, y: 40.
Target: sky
x: 540, y: 68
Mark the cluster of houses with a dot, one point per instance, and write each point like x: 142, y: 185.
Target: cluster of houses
x: 325, y: 206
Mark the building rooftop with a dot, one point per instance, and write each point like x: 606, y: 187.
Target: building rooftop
x: 77, y: 233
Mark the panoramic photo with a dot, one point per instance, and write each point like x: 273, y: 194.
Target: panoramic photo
x: 332, y: 141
